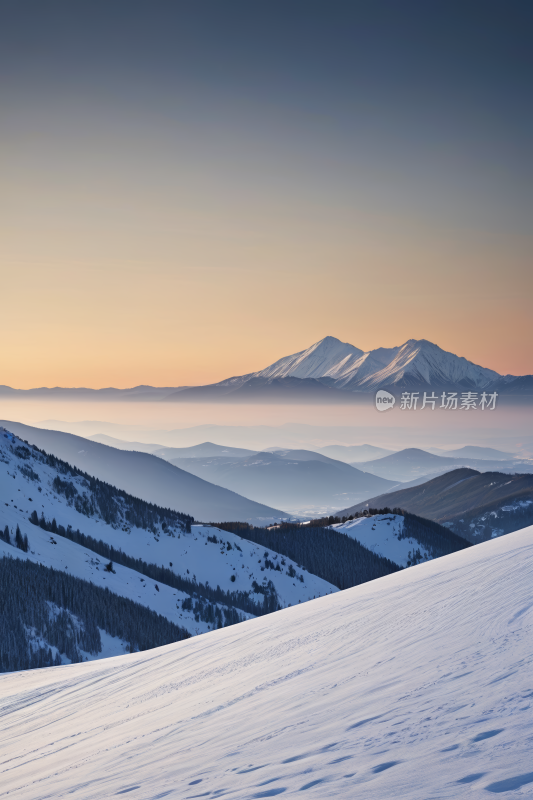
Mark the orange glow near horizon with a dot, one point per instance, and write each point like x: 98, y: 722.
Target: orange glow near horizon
x: 128, y: 262
x: 204, y: 312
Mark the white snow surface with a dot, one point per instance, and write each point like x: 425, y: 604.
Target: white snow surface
x: 205, y: 561
x: 379, y: 533
x: 418, y: 685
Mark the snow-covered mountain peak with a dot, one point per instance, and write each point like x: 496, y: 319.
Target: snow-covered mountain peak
x: 326, y: 357
x: 421, y: 361
x: 417, y: 361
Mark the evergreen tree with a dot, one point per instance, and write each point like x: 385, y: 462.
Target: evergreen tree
x: 19, y: 541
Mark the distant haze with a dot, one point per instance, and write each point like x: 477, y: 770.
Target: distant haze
x: 260, y: 426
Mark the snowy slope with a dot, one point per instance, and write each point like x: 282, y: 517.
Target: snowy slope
x: 393, y: 689
x: 380, y: 535
x: 191, y: 554
x: 54, y: 551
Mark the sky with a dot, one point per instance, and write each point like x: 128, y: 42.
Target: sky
x: 192, y: 190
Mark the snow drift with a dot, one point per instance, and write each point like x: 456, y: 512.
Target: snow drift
x: 415, y: 685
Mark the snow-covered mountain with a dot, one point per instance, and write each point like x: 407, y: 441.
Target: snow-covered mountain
x: 335, y: 365
x: 392, y: 689
x: 327, y: 358
x: 31, y: 483
x: 413, y: 363
x: 420, y: 362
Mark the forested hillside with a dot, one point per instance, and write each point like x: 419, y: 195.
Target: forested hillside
x: 438, y: 540
x: 328, y: 553
x: 93, y: 497
x: 357, y: 549
x: 232, y: 600
x: 47, y: 614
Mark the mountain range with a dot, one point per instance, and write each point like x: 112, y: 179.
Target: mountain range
x: 321, y: 481
x: 330, y: 371
x: 334, y: 371
x: 219, y: 488
x: 147, y: 477
x: 347, y: 453
x: 412, y: 462
x: 301, y: 481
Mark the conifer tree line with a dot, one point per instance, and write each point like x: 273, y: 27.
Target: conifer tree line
x: 18, y: 540
x: 438, y: 540
x: 324, y: 522
x: 112, y: 504
x: 233, y: 600
x: 326, y: 552
x: 39, y: 603
x: 212, y: 613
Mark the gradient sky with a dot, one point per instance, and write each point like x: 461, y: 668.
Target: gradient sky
x: 191, y: 190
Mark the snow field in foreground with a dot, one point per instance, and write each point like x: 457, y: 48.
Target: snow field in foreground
x: 416, y: 685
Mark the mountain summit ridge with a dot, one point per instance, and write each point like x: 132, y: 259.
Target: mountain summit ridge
x: 344, y: 366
